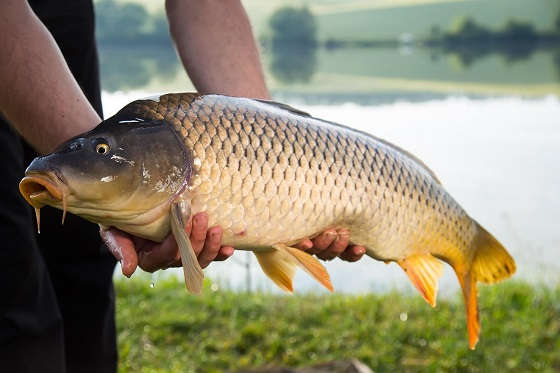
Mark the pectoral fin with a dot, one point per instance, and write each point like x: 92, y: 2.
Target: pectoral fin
x: 191, y: 268
x: 423, y: 270
x: 280, y: 264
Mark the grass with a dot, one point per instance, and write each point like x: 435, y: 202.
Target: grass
x: 163, y: 329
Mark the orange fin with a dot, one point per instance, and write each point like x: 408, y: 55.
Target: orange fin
x: 279, y: 267
x: 492, y: 263
x: 423, y: 270
x: 470, y: 293
x: 309, y: 264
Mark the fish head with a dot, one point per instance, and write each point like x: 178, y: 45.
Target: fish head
x: 125, y: 172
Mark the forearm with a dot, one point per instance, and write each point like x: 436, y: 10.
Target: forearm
x: 39, y: 95
x: 216, y: 45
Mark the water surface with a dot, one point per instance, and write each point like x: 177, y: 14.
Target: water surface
x: 498, y: 157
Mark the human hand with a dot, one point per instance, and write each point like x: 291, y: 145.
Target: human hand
x: 134, y: 251
x: 332, y: 243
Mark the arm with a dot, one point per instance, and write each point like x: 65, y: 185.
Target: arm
x: 216, y: 45
x: 39, y: 95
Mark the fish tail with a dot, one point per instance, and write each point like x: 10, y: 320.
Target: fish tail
x: 491, y: 263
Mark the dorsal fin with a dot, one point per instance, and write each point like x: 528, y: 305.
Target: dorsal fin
x: 286, y: 107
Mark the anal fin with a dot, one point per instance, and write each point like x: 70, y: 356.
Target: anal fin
x: 279, y: 265
x: 423, y: 270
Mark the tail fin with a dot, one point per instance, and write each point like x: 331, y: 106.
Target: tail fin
x: 491, y: 263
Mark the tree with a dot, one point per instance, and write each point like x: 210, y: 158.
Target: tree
x: 293, y: 64
x: 466, y: 29
x: 120, y: 22
x: 293, y: 26
x: 519, y: 30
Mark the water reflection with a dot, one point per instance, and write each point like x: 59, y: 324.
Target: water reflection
x: 363, y: 75
x: 556, y: 59
x: 511, y: 53
x: 292, y: 63
x: 125, y: 68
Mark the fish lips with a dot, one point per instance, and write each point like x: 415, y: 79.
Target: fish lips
x: 40, y: 188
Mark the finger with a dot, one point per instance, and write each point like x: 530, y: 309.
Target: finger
x: 188, y: 226
x: 120, y: 244
x: 353, y: 253
x: 305, y: 245
x: 160, y: 256
x: 337, y: 247
x: 211, y: 246
x: 224, y: 253
x: 323, y: 241
x: 198, y: 234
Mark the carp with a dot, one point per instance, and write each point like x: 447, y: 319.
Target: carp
x: 270, y: 176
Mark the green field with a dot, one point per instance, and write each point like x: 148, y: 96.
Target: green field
x: 382, y: 19
x: 163, y: 329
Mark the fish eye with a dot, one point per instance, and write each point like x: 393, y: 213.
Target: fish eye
x: 102, y: 148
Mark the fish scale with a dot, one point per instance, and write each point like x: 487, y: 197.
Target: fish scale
x: 276, y: 176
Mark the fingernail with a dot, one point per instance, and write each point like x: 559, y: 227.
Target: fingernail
x: 361, y: 251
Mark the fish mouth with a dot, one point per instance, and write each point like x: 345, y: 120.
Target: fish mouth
x: 39, y: 189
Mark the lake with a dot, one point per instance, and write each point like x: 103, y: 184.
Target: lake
x: 489, y: 128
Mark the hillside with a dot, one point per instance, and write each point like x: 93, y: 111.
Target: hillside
x: 375, y: 19
x: 380, y: 19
